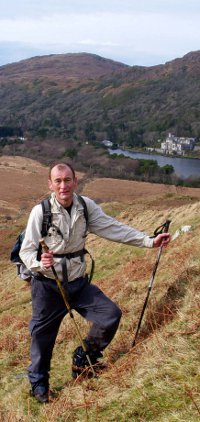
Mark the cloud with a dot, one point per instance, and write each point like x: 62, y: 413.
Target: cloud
x: 156, y: 30
x: 14, y: 51
x: 38, y: 8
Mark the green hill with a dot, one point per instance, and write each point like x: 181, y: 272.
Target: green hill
x: 84, y: 97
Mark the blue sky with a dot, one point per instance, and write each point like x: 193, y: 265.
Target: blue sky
x: 135, y: 32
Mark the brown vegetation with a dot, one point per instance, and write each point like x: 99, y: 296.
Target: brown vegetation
x: 158, y: 380
x: 62, y: 68
x: 126, y: 191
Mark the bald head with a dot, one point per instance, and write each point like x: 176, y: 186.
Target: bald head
x: 61, y: 166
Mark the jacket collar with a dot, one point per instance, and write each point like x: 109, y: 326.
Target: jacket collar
x: 56, y: 206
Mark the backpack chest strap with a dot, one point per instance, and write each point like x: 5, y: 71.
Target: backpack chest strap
x: 71, y: 255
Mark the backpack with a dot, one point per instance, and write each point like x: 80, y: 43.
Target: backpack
x: 22, y: 270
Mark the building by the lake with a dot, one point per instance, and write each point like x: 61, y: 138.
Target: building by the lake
x: 107, y: 143
x: 177, y: 144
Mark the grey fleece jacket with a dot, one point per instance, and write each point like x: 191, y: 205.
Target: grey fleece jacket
x: 70, y: 236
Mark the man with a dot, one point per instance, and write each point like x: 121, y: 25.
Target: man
x: 66, y: 237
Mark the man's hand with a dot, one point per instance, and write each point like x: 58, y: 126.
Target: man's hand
x: 161, y: 239
x: 47, y: 259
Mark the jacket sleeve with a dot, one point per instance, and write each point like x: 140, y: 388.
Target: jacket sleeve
x: 109, y: 228
x: 30, y: 244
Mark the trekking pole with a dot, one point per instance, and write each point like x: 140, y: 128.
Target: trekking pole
x: 64, y: 296
x: 164, y: 229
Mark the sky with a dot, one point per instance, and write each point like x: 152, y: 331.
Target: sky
x: 134, y: 32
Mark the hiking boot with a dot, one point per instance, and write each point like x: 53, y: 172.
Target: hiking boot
x: 40, y: 394
x: 80, y: 364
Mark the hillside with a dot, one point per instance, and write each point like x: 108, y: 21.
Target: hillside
x: 61, y: 68
x: 83, y: 97
x: 158, y: 380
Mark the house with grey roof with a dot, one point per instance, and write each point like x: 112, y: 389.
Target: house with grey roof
x: 178, y: 145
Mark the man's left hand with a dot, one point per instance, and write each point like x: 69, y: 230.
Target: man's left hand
x: 161, y: 239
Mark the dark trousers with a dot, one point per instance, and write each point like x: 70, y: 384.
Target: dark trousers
x: 48, y: 311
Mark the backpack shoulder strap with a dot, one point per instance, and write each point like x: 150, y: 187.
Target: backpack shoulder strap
x: 82, y: 201
x: 46, y: 222
x: 14, y: 256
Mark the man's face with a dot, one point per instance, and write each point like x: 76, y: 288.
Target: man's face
x: 63, y: 183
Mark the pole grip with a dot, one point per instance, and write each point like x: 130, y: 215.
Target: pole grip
x: 46, y: 249
x: 166, y: 226
x: 43, y: 245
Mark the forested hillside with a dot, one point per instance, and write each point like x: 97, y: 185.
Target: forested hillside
x: 84, y: 97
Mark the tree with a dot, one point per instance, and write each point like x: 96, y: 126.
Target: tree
x: 167, y: 169
x: 89, y: 132
x: 71, y: 153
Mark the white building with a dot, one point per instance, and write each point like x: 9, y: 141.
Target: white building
x: 107, y: 143
x: 177, y: 144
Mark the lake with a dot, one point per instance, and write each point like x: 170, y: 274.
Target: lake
x: 183, y: 167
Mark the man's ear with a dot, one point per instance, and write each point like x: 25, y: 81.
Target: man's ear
x: 50, y: 184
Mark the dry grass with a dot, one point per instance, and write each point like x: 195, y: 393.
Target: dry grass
x: 156, y: 381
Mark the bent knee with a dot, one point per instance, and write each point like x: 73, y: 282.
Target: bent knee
x: 117, y: 313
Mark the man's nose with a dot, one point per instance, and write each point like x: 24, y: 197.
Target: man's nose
x: 63, y: 183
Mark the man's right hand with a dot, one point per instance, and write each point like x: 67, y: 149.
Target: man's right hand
x: 47, y: 259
